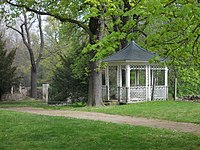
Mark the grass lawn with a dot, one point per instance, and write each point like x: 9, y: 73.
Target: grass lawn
x: 24, y: 103
x: 168, y: 110
x: 26, y: 131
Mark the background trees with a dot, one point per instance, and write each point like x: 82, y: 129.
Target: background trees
x: 169, y: 28
x: 69, y: 81
x: 174, y: 33
x: 29, y: 42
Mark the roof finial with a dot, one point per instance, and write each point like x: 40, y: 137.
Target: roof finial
x: 132, y: 42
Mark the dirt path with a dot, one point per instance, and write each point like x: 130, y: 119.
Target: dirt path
x: 155, y: 123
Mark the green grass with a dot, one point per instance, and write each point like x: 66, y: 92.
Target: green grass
x: 167, y: 110
x: 36, y: 103
x: 26, y: 131
x: 22, y: 103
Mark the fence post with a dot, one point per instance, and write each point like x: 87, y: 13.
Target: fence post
x: 45, y: 92
x: 20, y: 88
x: 12, y: 90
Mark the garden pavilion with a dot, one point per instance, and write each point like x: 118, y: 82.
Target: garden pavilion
x: 129, y: 77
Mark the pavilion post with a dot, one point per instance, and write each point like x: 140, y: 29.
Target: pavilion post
x: 119, y: 81
x: 128, y: 83
x: 107, y: 82
x: 166, y: 82
x: 148, y: 83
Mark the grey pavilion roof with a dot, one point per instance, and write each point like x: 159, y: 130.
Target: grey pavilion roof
x: 132, y: 52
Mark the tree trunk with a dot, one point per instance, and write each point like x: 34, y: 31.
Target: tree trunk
x: 95, y: 81
x: 0, y: 96
x: 95, y: 76
x: 33, y: 83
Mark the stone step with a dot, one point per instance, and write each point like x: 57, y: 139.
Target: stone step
x: 111, y: 102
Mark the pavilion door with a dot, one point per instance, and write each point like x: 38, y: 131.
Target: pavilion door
x: 138, y: 83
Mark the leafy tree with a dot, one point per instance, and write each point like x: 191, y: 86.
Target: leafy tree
x: 69, y: 80
x: 174, y: 33
x: 52, y: 49
x: 90, y: 24
x: 7, y: 71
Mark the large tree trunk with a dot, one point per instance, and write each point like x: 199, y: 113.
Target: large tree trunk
x: 95, y: 82
x: 33, y: 83
x: 0, y: 96
x: 95, y: 76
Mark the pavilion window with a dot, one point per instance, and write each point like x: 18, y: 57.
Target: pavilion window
x: 123, y: 77
x: 137, y: 77
x: 161, y: 77
x: 133, y: 77
x: 158, y: 76
x: 113, y: 82
x: 142, y: 79
x: 103, y: 78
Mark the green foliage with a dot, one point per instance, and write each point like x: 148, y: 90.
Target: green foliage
x: 174, y: 34
x: 106, y: 46
x: 69, y: 77
x: 169, y: 28
x: 65, y: 87
x: 54, y: 47
x: 7, y: 71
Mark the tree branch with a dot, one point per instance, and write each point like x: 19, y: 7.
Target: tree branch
x: 28, y: 45
x: 31, y: 24
x: 41, y: 40
x: 57, y: 16
x: 14, y: 29
x: 27, y: 30
x: 197, y: 26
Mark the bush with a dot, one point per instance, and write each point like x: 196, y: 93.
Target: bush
x: 65, y: 87
x: 7, y: 71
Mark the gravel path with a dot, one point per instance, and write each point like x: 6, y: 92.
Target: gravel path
x: 155, y: 123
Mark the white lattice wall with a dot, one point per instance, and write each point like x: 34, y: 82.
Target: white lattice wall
x: 138, y: 93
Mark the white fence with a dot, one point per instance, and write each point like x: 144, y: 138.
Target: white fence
x: 137, y: 93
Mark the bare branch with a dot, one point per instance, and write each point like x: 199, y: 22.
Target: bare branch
x: 28, y: 45
x: 14, y: 29
x: 31, y: 23
x: 57, y: 16
x: 52, y: 53
x: 23, y: 36
x: 41, y: 40
x: 197, y: 26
